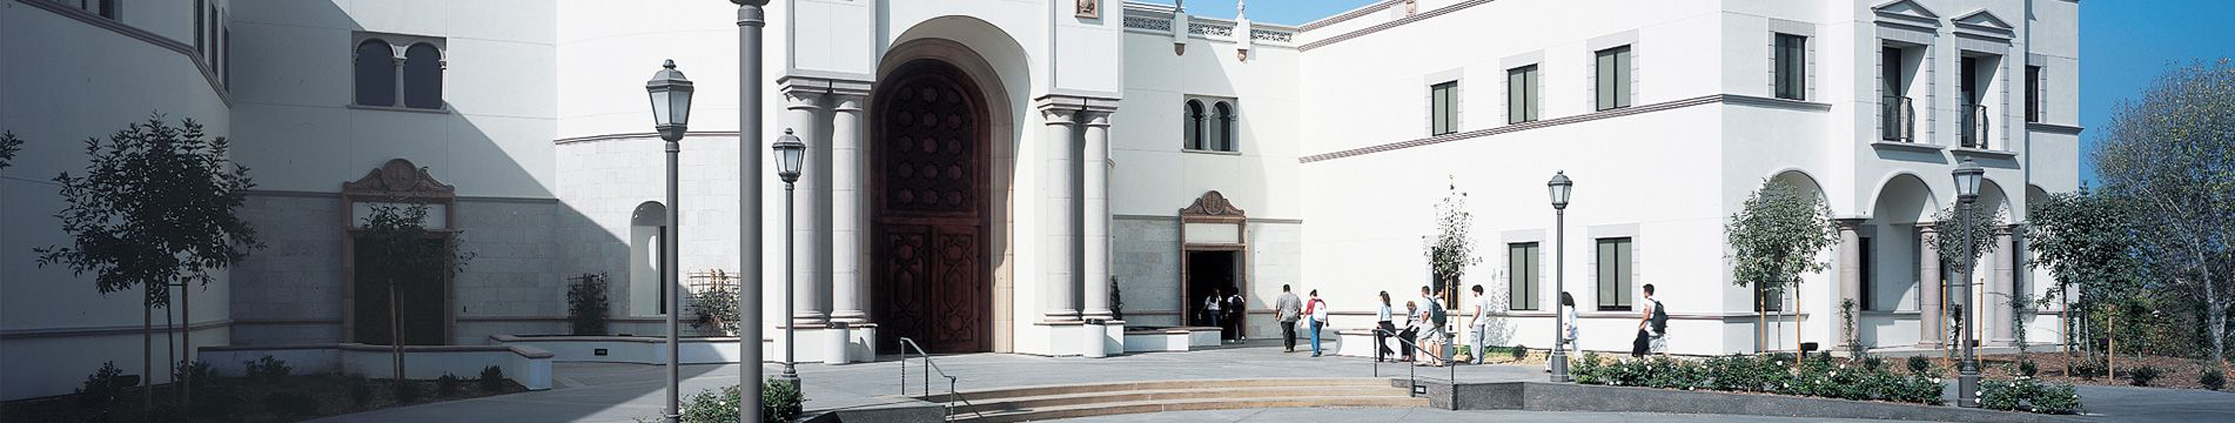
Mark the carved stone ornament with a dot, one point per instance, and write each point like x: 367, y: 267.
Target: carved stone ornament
x: 1212, y: 204
x: 1089, y: 9
x: 399, y: 178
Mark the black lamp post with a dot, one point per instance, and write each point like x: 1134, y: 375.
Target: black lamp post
x: 790, y: 154
x: 1560, y: 187
x: 671, y: 115
x: 1967, y: 176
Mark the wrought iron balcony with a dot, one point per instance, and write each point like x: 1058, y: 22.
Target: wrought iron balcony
x: 1974, y: 126
x: 1897, y: 119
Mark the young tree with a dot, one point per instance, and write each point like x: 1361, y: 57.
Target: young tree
x: 398, y: 253
x: 9, y: 145
x: 1776, y: 236
x: 155, y: 207
x: 1452, y: 249
x: 1954, y: 241
x: 2173, y: 156
x: 2087, y: 241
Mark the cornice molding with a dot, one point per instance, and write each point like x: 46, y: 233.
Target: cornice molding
x: 209, y: 74
x: 1478, y: 133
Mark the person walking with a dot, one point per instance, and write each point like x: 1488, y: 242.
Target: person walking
x: 1383, y: 329
x: 1317, y: 309
x: 1236, y: 310
x: 1211, y: 311
x: 1567, y: 312
x: 1432, y: 337
x: 1480, y: 326
x: 1652, y: 326
x: 1288, y: 309
x: 1405, y: 339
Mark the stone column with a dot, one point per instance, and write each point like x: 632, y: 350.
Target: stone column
x: 1061, y: 219
x: 848, y: 210
x: 1850, y: 280
x: 1930, y: 313
x: 1999, y: 292
x: 1095, y: 251
x: 803, y: 116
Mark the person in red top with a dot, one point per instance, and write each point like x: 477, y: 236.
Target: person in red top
x: 1316, y: 309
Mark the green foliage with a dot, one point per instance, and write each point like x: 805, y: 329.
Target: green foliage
x: 2089, y: 369
x: 9, y: 145
x: 447, y: 385
x: 1955, y: 239
x: 406, y: 391
x: 1452, y: 249
x: 1918, y: 365
x: 101, y: 391
x: 715, y: 307
x: 1776, y: 235
x: 154, y: 207
x: 586, y: 304
x: 1586, y: 369
x: 2171, y: 158
x: 780, y: 402
x: 1817, y: 376
x: 491, y: 380
x: 1520, y: 352
x: 195, y: 371
x: 360, y: 390
x: 2027, y: 368
x: 2212, y: 377
x: 290, y: 405
x: 268, y: 369
x: 2142, y: 376
x: 2028, y: 396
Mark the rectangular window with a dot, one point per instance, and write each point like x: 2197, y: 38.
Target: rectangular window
x: 1614, y: 78
x: 102, y: 8
x: 1521, y: 279
x: 1521, y: 94
x: 1792, y: 67
x: 1443, y: 108
x: 2033, y: 94
x: 1869, y: 284
x: 1614, y: 274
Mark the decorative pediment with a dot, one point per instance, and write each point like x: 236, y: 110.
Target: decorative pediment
x: 1907, y: 11
x: 1211, y: 204
x: 1986, y: 22
x: 399, y: 178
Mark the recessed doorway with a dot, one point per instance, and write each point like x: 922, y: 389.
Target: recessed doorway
x: 1216, y: 276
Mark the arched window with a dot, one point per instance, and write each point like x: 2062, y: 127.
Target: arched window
x: 1195, y: 127
x: 423, y: 77
x: 376, y: 73
x: 1225, y: 123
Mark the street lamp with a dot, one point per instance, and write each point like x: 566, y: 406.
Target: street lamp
x: 1559, y: 187
x: 789, y: 154
x: 750, y: 19
x: 671, y: 115
x: 1967, y: 176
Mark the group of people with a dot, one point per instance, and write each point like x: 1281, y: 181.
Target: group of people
x: 1421, y: 327
x: 1223, y: 309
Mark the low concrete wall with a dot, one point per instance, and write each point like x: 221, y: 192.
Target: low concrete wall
x: 630, y: 349
x: 529, y: 366
x: 1542, y: 396
x: 1153, y: 340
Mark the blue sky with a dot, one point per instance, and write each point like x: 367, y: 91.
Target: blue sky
x: 2124, y: 44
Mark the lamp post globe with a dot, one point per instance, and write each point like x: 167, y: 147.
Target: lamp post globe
x: 1967, y: 176
x: 671, y: 116
x: 790, y: 153
x: 1559, y: 188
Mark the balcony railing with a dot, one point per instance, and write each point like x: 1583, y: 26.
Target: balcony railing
x: 1897, y: 119
x: 1974, y: 126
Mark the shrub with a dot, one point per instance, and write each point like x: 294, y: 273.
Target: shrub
x: 2088, y: 369
x: 780, y: 402
x: 491, y: 380
x: 2141, y: 376
x: 2027, y: 395
x: 195, y: 371
x: 2026, y: 368
x: 268, y: 369
x: 101, y: 391
x: 1918, y: 365
x: 290, y: 404
x: 586, y: 304
x: 360, y: 390
x: 447, y: 385
x: 1520, y: 352
x: 406, y: 391
x: 2212, y: 378
x: 1586, y: 369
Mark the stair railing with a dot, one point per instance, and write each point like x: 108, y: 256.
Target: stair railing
x: 1412, y: 370
x: 927, y: 368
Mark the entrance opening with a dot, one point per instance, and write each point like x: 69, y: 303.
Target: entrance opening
x: 422, y: 306
x: 1214, y: 276
x: 929, y: 190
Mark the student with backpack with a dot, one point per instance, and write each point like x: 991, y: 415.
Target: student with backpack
x: 1652, y: 327
x: 1317, y: 309
x: 1432, y: 337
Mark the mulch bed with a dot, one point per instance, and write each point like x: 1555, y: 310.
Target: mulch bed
x: 330, y: 392
x: 2174, y: 372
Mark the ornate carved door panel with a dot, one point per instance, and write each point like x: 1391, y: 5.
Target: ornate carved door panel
x: 932, y: 283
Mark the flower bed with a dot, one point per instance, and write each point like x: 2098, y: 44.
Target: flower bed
x: 1816, y: 376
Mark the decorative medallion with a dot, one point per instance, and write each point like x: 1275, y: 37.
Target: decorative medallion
x: 1088, y: 9
x: 1211, y: 204
x: 399, y: 178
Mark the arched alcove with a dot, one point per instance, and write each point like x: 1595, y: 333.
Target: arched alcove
x: 646, y: 292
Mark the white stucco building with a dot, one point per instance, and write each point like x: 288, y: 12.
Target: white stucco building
x: 984, y: 173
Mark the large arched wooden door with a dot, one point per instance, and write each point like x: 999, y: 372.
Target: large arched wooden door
x: 929, y: 179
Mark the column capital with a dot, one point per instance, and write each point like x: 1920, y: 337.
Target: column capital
x: 1849, y: 223
x: 1082, y: 103
x: 1096, y: 118
x: 1059, y: 117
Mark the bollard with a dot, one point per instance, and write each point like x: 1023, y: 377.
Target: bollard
x: 1096, y: 331
x: 835, y: 351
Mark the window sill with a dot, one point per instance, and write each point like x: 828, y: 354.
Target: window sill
x: 1211, y: 152
x: 1991, y: 154
x: 442, y: 111
x: 2052, y: 128
x: 1906, y: 146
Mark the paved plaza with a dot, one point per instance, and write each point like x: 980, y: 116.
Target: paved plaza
x: 596, y: 392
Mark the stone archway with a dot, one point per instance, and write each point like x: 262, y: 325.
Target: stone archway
x: 930, y: 209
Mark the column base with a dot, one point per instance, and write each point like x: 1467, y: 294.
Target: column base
x: 850, y: 317
x: 1930, y: 344
x: 809, y: 319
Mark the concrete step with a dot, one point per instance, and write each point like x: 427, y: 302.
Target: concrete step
x: 1156, y: 395
x: 991, y: 395
x: 1156, y: 406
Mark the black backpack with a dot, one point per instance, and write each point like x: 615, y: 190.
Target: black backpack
x: 1660, y: 318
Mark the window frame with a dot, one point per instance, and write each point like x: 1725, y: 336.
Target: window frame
x: 1225, y: 114
x: 1789, y: 67
x: 1524, y: 275
x: 2034, y: 90
x: 400, y: 45
x: 1622, y: 272
x: 1191, y: 124
x: 1527, y: 93
x: 1443, y: 108
x: 1612, y: 67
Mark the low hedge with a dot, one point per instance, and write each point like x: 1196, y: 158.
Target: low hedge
x: 1814, y: 376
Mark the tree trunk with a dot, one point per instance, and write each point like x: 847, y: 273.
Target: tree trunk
x: 2219, y: 312
x: 186, y: 313
x: 2111, y: 360
x: 147, y: 351
x: 1797, y: 310
x: 396, y: 332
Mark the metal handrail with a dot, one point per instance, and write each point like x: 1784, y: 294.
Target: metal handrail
x: 1898, y: 116
x: 1412, y: 371
x: 929, y: 367
x: 1975, y: 126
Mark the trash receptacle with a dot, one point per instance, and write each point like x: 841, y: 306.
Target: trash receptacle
x: 1097, y: 331
x: 836, y: 349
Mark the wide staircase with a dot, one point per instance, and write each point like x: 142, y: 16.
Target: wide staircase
x: 1067, y: 401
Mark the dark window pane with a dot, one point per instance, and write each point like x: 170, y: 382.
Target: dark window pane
x: 2033, y: 93
x: 1194, y: 123
x: 1791, y: 67
x: 423, y: 77
x: 1225, y: 127
x: 376, y: 74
